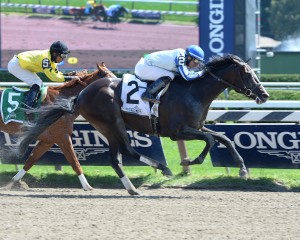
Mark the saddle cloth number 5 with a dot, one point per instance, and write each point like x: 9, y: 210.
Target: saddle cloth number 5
x: 13, y: 103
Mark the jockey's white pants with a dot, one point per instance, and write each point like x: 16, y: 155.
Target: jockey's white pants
x: 152, y: 73
x: 24, y: 75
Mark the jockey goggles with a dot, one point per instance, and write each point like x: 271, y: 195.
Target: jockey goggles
x: 196, y: 61
x: 63, y: 55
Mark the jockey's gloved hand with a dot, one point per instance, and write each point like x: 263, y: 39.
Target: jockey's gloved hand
x: 73, y: 73
x: 207, y: 69
x: 69, y: 78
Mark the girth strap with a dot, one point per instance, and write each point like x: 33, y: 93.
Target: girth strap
x: 154, y: 125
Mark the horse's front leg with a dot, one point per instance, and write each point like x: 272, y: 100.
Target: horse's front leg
x: 188, y: 133
x: 234, y: 153
x: 65, y: 143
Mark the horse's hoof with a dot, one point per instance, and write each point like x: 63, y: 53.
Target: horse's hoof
x: 185, y: 162
x: 167, y: 172
x: 20, y: 185
x: 88, y: 189
x: 133, y: 192
x: 243, y: 173
x: 185, y: 173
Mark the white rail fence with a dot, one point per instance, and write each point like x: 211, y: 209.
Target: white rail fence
x: 50, y: 9
x: 238, y: 111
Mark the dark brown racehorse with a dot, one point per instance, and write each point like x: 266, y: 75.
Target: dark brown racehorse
x: 182, y: 112
x: 61, y: 131
x: 114, y: 17
x: 79, y: 13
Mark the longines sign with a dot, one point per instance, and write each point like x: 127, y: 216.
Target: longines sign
x: 216, y: 25
x: 91, y: 148
x: 261, y: 146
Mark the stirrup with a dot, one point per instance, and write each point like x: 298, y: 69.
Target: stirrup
x: 150, y: 99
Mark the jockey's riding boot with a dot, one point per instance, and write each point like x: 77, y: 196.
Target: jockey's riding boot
x: 159, y: 84
x: 31, y: 95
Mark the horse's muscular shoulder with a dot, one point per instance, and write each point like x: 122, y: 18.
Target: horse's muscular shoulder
x: 103, y: 82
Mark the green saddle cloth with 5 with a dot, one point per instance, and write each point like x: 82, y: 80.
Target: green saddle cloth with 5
x: 13, y: 108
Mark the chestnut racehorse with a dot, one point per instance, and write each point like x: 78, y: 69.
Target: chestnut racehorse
x: 79, y: 13
x: 62, y: 130
x: 182, y: 112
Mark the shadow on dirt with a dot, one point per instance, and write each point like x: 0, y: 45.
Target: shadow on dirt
x: 238, y: 184
x: 223, y: 183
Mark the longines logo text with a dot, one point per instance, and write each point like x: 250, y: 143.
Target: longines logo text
x: 269, y: 140
x: 216, y: 26
x: 279, y: 144
x: 92, y: 138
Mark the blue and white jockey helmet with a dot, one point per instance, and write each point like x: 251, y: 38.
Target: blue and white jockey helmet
x: 195, y: 52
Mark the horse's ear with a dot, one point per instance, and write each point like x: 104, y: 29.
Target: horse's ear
x: 98, y: 66
x: 248, y: 60
x: 102, y: 64
x: 235, y: 59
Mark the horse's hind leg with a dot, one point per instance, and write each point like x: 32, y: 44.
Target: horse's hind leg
x: 127, y: 149
x: 35, y: 155
x: 234, y: 153
x: 118, y: 142
x: 118, y: 130
x: 118, y: 167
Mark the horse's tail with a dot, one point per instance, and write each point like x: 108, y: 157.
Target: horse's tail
x: 49, y: 114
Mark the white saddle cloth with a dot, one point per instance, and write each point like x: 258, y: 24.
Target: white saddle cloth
x: 132, y: 89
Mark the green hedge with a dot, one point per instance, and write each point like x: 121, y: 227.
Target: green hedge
x: 280, y: 77
x: 274, y: 95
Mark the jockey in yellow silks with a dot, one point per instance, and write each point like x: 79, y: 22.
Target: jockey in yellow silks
x: 25, y: 65
x: 89, y: 6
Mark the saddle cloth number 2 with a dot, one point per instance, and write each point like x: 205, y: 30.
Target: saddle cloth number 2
x: 130, y: 99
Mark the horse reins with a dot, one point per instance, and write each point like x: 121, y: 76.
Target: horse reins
x: 244, y: 90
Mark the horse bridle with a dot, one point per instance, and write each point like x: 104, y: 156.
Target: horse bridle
x: 246, y: 91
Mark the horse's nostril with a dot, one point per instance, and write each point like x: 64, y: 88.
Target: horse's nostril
x: 265, y: 95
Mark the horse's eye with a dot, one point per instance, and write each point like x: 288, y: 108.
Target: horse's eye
x: 247, y: 70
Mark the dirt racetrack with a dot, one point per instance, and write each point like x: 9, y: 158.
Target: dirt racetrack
x: 156, y: 214
x: 119, y: 46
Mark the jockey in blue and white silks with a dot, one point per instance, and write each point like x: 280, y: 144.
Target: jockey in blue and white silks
x: 162, y: 67
x: 111, y: 10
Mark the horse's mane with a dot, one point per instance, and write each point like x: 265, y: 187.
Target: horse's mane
x: 221, y: 61
x: 65, y: 85
x: 73, y: 82
x: 101, y: 6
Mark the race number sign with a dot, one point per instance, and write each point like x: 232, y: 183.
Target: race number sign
x: 260, y: 145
